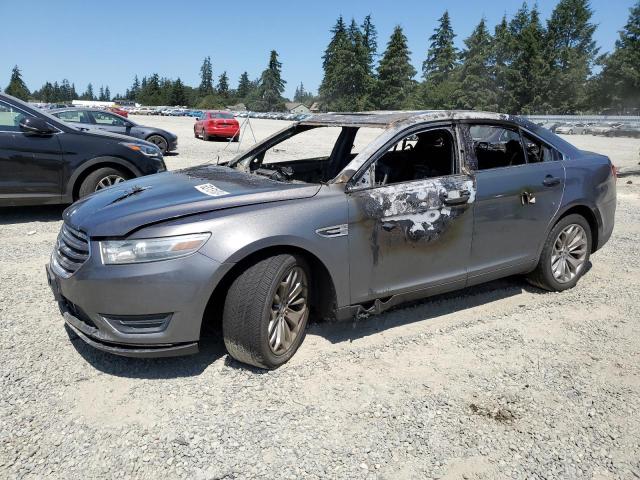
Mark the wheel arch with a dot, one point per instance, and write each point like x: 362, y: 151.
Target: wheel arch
x: 323, y: 300
x: 591, y: 215
x: 73, y: 185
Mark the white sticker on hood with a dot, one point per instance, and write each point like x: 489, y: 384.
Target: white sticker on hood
x: 211, y: 190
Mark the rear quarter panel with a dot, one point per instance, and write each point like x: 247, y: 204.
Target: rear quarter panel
x: 590, y: 182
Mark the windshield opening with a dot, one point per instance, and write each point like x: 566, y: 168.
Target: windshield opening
x: 306, y: 153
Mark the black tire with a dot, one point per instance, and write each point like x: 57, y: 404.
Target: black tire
x: 542, y: 276
x: 91, y: 182
x: 205, y: 136
x: 248, y: 307
x: 195, y: 132
x: 160, y: 142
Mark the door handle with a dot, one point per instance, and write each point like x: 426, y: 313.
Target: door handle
x: 388, y: 226
x: 550, y: 181
x: 462, y: 197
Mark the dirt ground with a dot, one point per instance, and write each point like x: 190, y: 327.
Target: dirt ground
x: 496, y: 381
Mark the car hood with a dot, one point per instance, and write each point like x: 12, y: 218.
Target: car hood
x: 118, y: 210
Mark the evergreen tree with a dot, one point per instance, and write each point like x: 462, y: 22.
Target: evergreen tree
x: 16, y: 86
x: 88, y: 94
x: 346, y: 82
x: 244, y: 86
x: 302, y: 95
x: 370, y: 40
x: 395, y: 74
x: 477, y: 83
x: 528, y: 70
x: 442, y: 55
x: 46, y: 93
x: 223, y: 84
x: 178, y: 96
x: 271, y: 86
x: 101, y: 96
x: 502, y: 53
x: 570, y: 53
x: 439, y: 87
x: 206, y: 77
x: 618, y: 84
x: 135, y: 89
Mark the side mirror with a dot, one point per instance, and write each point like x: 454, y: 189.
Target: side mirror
x: 36, y: 126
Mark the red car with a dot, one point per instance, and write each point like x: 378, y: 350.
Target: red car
x: 216, y: 124
x: 119, y: 111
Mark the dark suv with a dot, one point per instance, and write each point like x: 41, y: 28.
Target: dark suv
x: 46, y: 161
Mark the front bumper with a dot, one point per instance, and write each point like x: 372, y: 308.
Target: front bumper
x: 139, y: 310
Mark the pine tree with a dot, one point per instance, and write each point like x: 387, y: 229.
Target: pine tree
x: 100, y: 93
x: 223, y: 84
x: 570, y: 53
x: 502, y: 53
x: 302, y: 95
x: 370, y: 40
x: 442, y: 55
x: 439, y: 69
x: 135, y: 89
x: 107, y: 94
x: 618, y: 84
x: 395, y: 74
x: 244, y: 86
x: 477, y: 83
x: 178, y: 96
x: 206, y: 77
x: 272, y: 86
x: 88, y: 94
x: 16, y: 86
x: 528, y: 67
x: 46, y: 93
x: 346, y: 82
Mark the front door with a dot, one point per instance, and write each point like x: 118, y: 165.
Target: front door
x: 410, y: 218
x: 110, y: 122
x: 520, y: 182
x: 30, y: 165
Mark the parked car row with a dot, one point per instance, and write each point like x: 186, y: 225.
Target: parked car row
x: 607, y: 129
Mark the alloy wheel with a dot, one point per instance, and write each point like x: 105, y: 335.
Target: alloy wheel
x: 569, y: 253
x: 289, y: 308
x: 159, y: 142
x: 108, y: 181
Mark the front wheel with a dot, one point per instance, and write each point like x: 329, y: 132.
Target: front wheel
x: 565, y: 255
x: 100, y: 179
x: 266, y: 311
x: 160, y: 142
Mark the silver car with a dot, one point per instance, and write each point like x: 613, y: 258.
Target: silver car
x: 335, y: 216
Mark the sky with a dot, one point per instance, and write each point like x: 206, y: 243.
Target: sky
x: 108, y: 42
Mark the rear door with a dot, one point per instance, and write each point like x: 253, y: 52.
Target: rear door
x: 30, y: 165
x: 520, y: 183
x: 410, y: 217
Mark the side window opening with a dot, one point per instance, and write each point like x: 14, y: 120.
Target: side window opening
x: 418, y: 156
x: 497, y: 146
x: 538, y: 151
x: 10, y: 118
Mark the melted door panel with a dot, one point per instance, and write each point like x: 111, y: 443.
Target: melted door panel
x: 410, y: 236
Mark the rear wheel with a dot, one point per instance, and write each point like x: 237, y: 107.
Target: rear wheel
x: 100, y: 179
x: 266, y: 311
x: 205, y: 136
x: 565, y: 255
x: 160, y: 142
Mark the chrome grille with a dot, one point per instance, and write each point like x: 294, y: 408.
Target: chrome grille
x: 72, y: 250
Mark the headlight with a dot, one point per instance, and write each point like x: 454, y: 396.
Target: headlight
x: 148, y: 150
x: 114, y: 252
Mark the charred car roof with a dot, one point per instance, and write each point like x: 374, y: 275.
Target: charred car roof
x: 387, y: 119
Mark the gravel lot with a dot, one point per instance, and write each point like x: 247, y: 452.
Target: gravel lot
x: 497, y: 381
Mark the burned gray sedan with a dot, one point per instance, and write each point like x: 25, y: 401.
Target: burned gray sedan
x: 334, y: 216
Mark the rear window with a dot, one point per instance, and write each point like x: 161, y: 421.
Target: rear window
x: 221, y: 115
